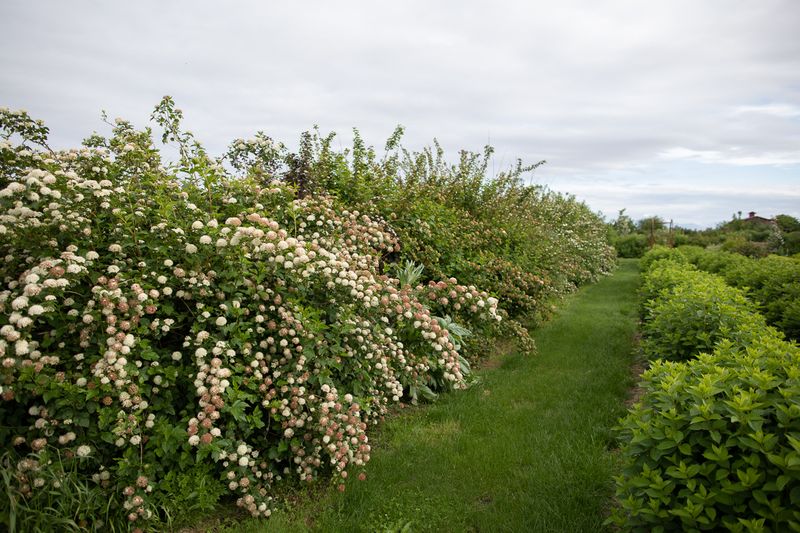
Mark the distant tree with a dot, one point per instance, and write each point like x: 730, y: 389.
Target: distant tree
x: 787, y: 223
x: 791, y: 242
x: 623, y: 224
x: 648, y: 224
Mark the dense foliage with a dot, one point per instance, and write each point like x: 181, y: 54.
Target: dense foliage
x: 773, y: 282
x: 172, y: 333
x: 521, y: 242
x: 659, y: 253
x: 714, y: 442
x: 753, y: 236
x: 691, y: 312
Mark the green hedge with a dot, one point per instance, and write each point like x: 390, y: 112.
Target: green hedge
x: 773, y: 282
x: 633, y: 245
x: 694, y: 316
x: 664, y: 275
x: 658, y: 253
x: 715, y: 443
x: 686, y: 311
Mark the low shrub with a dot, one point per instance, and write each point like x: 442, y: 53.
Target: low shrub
x: 739, y: 244
x: 663, y: 275
x: 719, y: 261
x: 773, y: 282
x: 715, y: 442
x: 791, y: 242
x: 629, y: 246
x: 692, y: 252
x: 693, y: 316
x: 658, y: 253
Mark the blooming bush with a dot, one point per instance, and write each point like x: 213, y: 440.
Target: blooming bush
x: 175, y: 333
x: 528, y: 244
x: 163, y: 326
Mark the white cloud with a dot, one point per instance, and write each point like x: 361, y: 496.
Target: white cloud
x: 733, y: 156
x: 776, y: 109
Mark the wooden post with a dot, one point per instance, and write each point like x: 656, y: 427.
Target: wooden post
x: 671, y: 238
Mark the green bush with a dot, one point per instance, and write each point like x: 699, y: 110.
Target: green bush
x: 657, y: 253
x: 715, y: 443
x: 791, y: 242
x: 633, y: 245
x: 693, y: 316
x: 741, y: 245
x: 773, y: 282
x: 664, y: 275
x: 719, y: 262
x: 692, y: 252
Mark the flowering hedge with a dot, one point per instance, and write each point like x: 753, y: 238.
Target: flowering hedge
x: 528, y: 244
x: 223, y: 323
x: 149, y: 324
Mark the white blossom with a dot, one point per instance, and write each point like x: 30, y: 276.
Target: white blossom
x: 83, y: 450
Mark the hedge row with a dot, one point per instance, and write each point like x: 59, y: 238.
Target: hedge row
x: 714, y: 442
x: 773, y: 282
x: 176, y: 334
x: 687, y: 311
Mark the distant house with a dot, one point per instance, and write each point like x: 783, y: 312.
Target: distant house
x: 754, y: 219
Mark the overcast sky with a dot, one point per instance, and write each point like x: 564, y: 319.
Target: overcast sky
x: 685, y: 109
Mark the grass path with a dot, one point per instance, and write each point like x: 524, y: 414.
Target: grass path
x: 527, y: 449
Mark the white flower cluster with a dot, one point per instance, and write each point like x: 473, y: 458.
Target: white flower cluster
x: 123, y: 284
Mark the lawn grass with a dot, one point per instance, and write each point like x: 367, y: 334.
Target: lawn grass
x: 526, y: 449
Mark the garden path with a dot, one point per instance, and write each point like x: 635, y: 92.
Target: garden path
x: 526, y: 449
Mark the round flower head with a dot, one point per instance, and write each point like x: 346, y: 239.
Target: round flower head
x: 83, y: 450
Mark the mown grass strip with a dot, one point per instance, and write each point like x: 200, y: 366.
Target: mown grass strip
x: 527, y: 449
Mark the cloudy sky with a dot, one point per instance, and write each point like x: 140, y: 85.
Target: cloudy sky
x: 685, y: 109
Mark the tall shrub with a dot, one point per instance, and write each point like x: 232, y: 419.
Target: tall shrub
x: 182, y: 326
